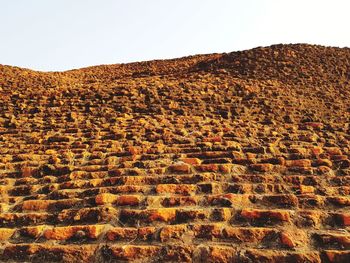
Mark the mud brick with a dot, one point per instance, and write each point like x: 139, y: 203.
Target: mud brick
x: 130, y: 200
x: 332, y: 240
x: 311, y: 201
x: 64, y: 233
x: 180, y: 168
x: 37, y: 205
x: 28, y: 171
x: 183, y: 189
x: 207, y: 231
x: 342, y: 201
x: 207, y: 168
x: 54, y: 253
x: 305, y: 189
x: 213, y: 139
x: 174, y: 232
x: 179, y: 201
x: 304, y: 163
x: 164, y: 214
x: 6, y: 233
x: 177, y: 253
x: 286, y: 201
x: 333, y: 150
x: 217, y: 254
x: 257, y: 255
x: 122, y: 233
x: 322, y: 162
x: 266, y: 216
x: 105, y: 198
x: 225, y: 168
x: 228, y: 200
x: 146, y: 233
x: 274, y: 160
x: 208, y: 188
x: 87, y: 215
x: 19, y: 219
x: 32, y: 232
x: 132, y: 252
x: 342, y: 218
x: 148, y: 216
x: 248, y: 234
x: 308, y: 218
x: 293, y: 238
x: 183, y: 216
x: 261, y: 167
x: 221, y: 214
x: 336, y: 256
x: 191, y: 161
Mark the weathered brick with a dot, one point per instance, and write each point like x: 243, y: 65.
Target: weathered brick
x: 180, y: 168
x: 308, y: 218
x: 163, y: 214
x: 298, y: 163
x: 183, y: 216
x: 174, y: 232
x: 146, y: 233
x: 50, y: 253
x: 332, y: 240
x: 262, y: 167
x: 287, y: 201
x: 131, y: 200
x: 6, y: 233
x: 122, y: 233
x: 207, y: 231
x: 228, y: 200
x: 275, y: 256
x: 221, y: 214
x: 322, y: 162
x: 28, y: 171
x: 219, y: 254
x: 37, y: 205
x: 64, y: 233
x: 306, y: 189
x: 248, y: 234
x: 339, y: 200
x: 267, y: 216
x: 333, y: 150
x: 336, y: 256
x: 147, y: 216
x: 32, y: 232
x: 179, y: 201
x: 177, y: 253
x: 293, y: 238
x: 207, y: 168
x: 183, y: 189
x: 133, y: 252
x: 17, y: 219
x: 105, y: 198
x: 191, y: 161
x: 87, y: 215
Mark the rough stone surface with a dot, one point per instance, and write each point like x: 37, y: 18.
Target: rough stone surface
x: 238, y: 157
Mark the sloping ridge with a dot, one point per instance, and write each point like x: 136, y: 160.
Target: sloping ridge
x: 237, y: 157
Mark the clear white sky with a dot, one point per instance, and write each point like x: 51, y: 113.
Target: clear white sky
x: 64, y: 34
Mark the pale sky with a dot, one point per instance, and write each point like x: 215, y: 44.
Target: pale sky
x: 55, y: 35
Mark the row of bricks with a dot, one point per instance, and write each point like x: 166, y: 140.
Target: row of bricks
x: 165, y: 253
x: 246, y: 216
x: 250, y: 236
x: 221, y: 200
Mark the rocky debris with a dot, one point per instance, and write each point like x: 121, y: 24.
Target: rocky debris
x: 238, y: 157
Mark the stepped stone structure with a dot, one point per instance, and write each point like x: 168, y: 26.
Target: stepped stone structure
x: 237, y: 157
